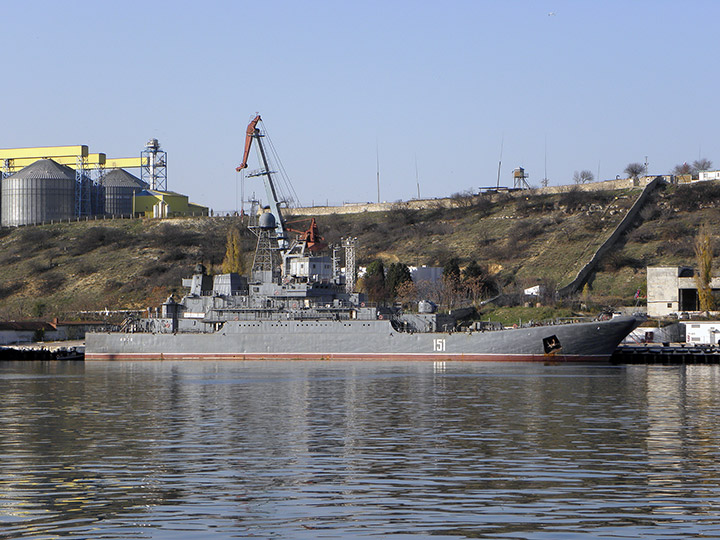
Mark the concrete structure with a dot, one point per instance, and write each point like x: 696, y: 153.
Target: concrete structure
x: 672, y: 333
x: 709, y: 175
x: 12, y: 332
x: 161, y: 204
x: 581, y: 278
x: 702, y: 332
x: 672, y: 289
x: 26, y: 332
x: 432, y: 274
x: 423, y: 204
x: 537, y: 290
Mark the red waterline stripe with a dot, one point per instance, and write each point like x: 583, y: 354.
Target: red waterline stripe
x: 350, y: 356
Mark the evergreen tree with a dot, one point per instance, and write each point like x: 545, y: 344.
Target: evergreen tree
x: 397, y: 274
x: 472, y: 270
x: 374, y: 282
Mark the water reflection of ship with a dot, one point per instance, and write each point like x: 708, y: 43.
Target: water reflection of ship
x: 298, y: 304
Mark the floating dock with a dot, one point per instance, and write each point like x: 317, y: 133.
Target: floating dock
x: 667, y: 354
x: 47, y: 351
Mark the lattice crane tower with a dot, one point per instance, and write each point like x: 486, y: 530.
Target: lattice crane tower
x: 154, y: 169
x: 350, y: 269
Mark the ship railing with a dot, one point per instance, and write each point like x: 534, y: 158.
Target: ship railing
x: 567, y: 320
x: 272, y: 314
x: 492, y: 326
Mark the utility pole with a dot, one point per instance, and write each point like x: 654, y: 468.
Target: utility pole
x: 502, y: 141
x: 377, y: 156
x: 417, y: 178
x: 545, y: 180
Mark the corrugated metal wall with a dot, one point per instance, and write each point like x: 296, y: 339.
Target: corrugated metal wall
x: 26, y: 201
x: 118, y: 200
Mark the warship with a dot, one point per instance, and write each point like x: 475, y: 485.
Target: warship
x: 299, y: 304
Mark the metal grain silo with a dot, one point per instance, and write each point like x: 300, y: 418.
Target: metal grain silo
x: 120, y: 186
x: 41, y: 192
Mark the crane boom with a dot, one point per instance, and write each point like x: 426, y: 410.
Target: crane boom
x: 248, y: 141
x: 253, y: 132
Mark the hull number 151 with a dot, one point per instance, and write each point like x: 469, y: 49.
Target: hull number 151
x: 439, y: 345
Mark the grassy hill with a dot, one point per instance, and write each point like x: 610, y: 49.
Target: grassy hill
x: 56, y: 270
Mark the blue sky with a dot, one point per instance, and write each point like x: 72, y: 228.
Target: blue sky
x: 339, y: 84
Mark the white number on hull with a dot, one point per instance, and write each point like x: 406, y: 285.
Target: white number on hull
x: 439, y: 345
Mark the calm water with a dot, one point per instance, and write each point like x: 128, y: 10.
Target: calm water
x: 358, y: 450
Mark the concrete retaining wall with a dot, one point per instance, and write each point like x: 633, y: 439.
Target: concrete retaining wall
x: 626, y: 222
x: 423, y: 204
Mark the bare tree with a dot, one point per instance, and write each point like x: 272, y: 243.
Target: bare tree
x: 633, y: 170
x: 682, y: 169
x: 407, y: 293
x: 478, y: 282
x: 463, y: 199
x: 700, y: 165
x: 583, y: 177
x: 430, y: 290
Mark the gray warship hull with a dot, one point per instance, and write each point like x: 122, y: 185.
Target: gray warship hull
x: 365, y: 340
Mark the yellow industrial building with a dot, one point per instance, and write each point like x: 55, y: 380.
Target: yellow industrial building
x: 94, y: 192
x: 161, y: 204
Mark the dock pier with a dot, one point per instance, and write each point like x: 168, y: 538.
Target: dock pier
x: 667, y: 354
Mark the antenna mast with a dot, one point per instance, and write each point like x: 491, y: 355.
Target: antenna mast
x: 502, y: 141
x: 417, y: 177
x: 377, y: 156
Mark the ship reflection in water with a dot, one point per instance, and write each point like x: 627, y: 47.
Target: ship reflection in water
x: 357, y: 450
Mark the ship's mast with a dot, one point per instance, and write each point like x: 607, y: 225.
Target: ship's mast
x: 350, y: 245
